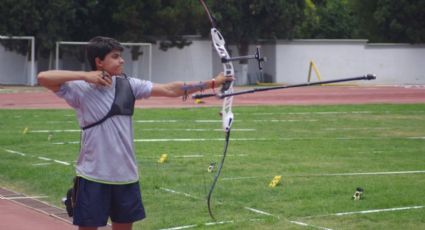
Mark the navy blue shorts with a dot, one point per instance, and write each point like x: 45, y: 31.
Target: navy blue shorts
x: 96, y: 202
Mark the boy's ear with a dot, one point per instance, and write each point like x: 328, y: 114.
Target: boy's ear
x: 99, y: 63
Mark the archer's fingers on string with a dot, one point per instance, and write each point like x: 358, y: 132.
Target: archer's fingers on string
x: 107, y: 78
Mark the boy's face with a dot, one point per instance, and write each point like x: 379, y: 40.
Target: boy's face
x: 113, y: 63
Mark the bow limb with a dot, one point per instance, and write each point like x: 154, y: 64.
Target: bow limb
x: 227, y: 88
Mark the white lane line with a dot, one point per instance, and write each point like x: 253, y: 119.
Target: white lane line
x: 247, y: 139
x: 62, y: 162
x: 364, y: 128
x: 199, y: 139
x: 55, y: 131
x: 181, y: 227
x: 23, y: 197
x: 308, y: 225
x: 284, y: 120
x: 259, y: 211
x: 199, y: 225
x: 242, y: 178
x: 156, y: 121
x: 38, y: 157
x: 189, y: 156
x: 41, y: 164
x: 179, y: 193
x: 15, y: 152
x: 377, y: 210
x: 331, y: 174
x: 307, y: 113
x: 44, y: 158
x: 184, y: 194
x: 186, y: 130
x: 370, y: 173
x: 366, y: 211
x: 176, y: 140
x: 200, y: 130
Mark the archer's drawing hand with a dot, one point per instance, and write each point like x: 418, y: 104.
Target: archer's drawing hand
x: 100, y: 78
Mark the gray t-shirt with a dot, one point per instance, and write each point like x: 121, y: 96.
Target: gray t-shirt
x: 107, y: 150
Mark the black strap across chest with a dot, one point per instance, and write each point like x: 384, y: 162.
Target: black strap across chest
x: 123, y: 103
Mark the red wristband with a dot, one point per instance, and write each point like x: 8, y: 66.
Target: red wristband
x: 213, y: 85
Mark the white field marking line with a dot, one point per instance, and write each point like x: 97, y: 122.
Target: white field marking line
x: 188, y: 156
x: 156, y: 121
x: 330, y: 174
x: 367, y: 211
x: 250, y: 139
x: 184, y: 194
x: 15, y: 152
x: 252, y: 210
x: 61, y: 162
x: 56, y: 161
x: 307, y: 113
x: 284, y: 120
x: 179, y: 193
x: 417, y: 138
x: 196, y: 156
x: 60, y: 122
x: 308, y: 225
x: 200, y: 156
x: 180, y: 227
x: 232, y: 139
x: 199, y: 139
x: 65, y: 143
x: 187, y: 130
x: 378, y: 210
x: 199, y: 225
x: 234, y: 155
x: 175, y: 121
x: 40, y: 158
x: 364, y: 128
x: 44, y: 158
x: 218, y: 121
x: 369, y: 173
x: 183, y: 140
x: 200, y: 130
x: 243, y: 178
x: 41, y: 164
x: 260, y: 212
x: 55, y: 131
x: 23, y: 197
x: 207, y: 224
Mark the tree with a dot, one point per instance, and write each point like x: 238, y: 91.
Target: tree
x: 154, y: 21
x: 391, y: 20
x: 245, y: 22
x: 44, y: 19
x: 401, y: 21
x: 329, y: 19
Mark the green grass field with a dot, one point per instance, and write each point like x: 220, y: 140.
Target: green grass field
x: 323, y: 153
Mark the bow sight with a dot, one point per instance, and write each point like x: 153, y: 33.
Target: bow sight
x: 256, y: 56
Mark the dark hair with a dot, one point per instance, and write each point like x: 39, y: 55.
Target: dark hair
x: 99, y: 47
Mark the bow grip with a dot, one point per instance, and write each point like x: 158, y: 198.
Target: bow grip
x: 226, y: 85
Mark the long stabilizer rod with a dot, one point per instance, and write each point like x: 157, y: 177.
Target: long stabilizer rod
x: 221, y: 96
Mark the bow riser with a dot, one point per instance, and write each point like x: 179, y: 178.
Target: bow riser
x: 220, y: 47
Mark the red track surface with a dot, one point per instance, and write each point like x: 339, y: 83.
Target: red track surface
x: 37, y: 98
x: 15, y: 216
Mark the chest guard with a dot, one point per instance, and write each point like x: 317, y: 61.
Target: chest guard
x: 123, y: 103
